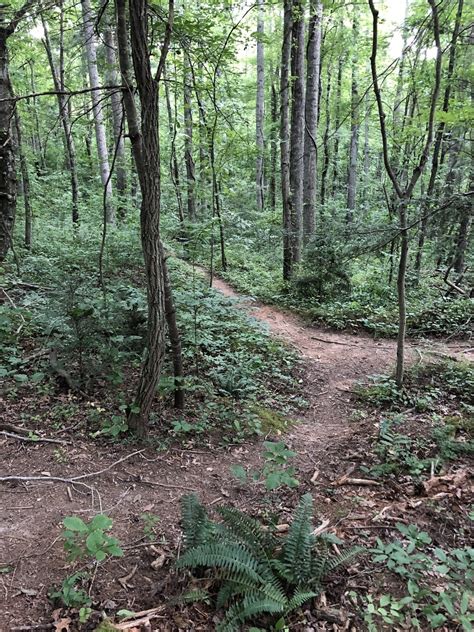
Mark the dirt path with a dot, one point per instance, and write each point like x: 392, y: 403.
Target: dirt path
x: 31, y: 550
x: 334, y: 361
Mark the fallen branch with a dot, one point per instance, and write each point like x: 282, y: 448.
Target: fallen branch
x: 75, y: 480
x: 334, y: 342
x: 346, y: 480
x: 11, y: 435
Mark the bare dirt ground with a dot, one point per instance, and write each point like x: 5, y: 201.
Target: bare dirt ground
x: 146, y: 481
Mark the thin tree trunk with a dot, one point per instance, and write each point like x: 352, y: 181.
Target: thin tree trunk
x: 438, y: 138
x: 8, y: 185
x: 100, y: 133
x: 188, y: 142
x: 337, y: 126
x: 297, y: 130
x: 117, y: 112
x: 404, y: 195
x: 326, y: 159
x: 273, y: 143
x: 146, y: 152
x: 25, y: 182
x: 260, y: 109
x: 174, y: 167
x: 285, y: 138
x: 313, y: 69
x: 354, y: 144
x: 69, y: 145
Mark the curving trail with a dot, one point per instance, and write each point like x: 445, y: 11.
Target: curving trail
x: 334, y: 361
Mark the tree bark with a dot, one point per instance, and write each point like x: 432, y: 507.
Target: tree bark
x: 273, y: 142
x: 69, y: 145
x: 260, y: 109
x: 438, y: 138
x: 337, y: 126
x: 188, y: 142
x: 297, y: 130
x: 90, y: 45
x: 174, y: 166
x: 327, y: 127
x: 354, y: 144
x: 8, y: 184
x: 146, y: 153
x: 112, y: 79
x: 313, y: 68
x: 25, y: 183
x: 285, y: 138
x: 404, y: 194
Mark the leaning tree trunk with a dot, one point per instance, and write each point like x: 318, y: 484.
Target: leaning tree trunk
x: 297, y: 130
x: 311, y: 118
x: 90, y: 44
x: 337, y: 126
x: 7, y: 155
x: 285, y: 138
x: 354, y: 144
x: 260, y: 110
x: 273, y: 143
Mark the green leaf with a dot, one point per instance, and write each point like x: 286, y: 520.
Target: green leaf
x: 101, y: 521
x: 239, y: 472
x: 385, y: 600
x: 73, y: 523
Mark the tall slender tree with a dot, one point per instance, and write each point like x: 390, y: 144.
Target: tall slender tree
x: 285, y: 137
x: 260, y: 109
x: 354, y: 143
x: 313, y: 69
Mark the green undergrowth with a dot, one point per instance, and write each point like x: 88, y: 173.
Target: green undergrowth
x: 355, y: 296
x: 62, y: 331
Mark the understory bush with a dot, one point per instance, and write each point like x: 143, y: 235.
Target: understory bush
x: 253, y: 572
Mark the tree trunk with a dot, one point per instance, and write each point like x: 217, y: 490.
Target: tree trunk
x: 337, y: 125
x: 438, y: 139
x: 285, y: 138
x: 188, y: 142
x: 297, y: 130
x: 274, y: 143
x: 7, y: 155
x: 25, y: 182
x: 90, y: 45
x: 313, y: 67
x: 326, y: 159
x: 146, y: 152
x: 174, y: 167
x: 69, y: 145
x: 260, y: 109
x: 117, y: 112
x: 354, y: 144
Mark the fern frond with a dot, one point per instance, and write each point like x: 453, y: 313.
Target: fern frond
x: 248, y: 531
x: 344, y: 558
x: 298, y: 544
x: 299, y: 598
x: 253, y: 604
x: 195, y: 522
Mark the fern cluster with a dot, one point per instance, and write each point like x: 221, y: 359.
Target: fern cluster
x: 255, y: 571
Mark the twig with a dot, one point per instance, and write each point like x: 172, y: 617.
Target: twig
x: 11, y: 435
x: 334, y: 342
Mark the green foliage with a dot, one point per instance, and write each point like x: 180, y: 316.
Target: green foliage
x: 438, y: 583
x: 276, y: 471
x: 255, y: 572
x: 69, y: 594
x: 83, y: 540
x: 150, y: 522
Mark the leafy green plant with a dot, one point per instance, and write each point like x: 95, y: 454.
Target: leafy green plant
x: 149, y: 524
x: 69, y: 594
x: 276, y: 472
x: 256, y: 572
x: 438, y: 583
x: 83, y: 540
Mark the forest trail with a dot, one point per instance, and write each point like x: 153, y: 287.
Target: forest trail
x: 334, y: 362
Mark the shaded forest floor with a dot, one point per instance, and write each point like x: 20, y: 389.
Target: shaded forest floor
x: 333, y: 438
